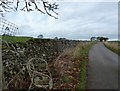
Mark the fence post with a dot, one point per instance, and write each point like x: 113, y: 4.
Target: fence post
x: 1, y: 64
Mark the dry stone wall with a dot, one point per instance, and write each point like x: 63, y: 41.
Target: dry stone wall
x: 47, y: 49
x: 15, y: 56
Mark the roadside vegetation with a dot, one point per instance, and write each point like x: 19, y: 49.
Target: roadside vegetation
x: 71, y: 68
x: 113, y: 46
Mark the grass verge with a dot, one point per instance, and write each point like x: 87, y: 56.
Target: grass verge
x: 83, y: 52
x: 71, y: 67
x: 113, y: 46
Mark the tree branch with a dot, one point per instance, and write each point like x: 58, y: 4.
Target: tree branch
x: 48, y: 7
x: 38, y: 8
x: 45, y: 7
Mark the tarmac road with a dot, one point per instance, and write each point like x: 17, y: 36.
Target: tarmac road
x: 102, y: 68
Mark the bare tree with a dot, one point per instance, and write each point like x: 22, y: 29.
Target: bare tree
x: 49, y: 8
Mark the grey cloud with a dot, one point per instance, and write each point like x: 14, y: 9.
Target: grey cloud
x: 76, y: 21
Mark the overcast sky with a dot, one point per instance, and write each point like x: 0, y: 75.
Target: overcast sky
x: 76, y: 20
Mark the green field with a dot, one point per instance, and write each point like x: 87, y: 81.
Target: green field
x: 15, y: 39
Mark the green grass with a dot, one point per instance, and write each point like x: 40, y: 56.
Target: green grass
x: 15, y: 39
x: 82, y: 54
x: 83, y: 66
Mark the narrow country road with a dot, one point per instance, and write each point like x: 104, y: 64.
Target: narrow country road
x: 102, y: 68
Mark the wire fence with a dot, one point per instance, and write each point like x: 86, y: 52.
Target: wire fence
x: 8, y: 28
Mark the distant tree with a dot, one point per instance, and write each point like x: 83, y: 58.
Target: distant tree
x: 105, y: 39
x: 99, y: 38
x: 56, y: 38
x: 93, y: 38
x: 27, y: 5
x: 40, y: 36
x: 102, y: 38
x: 62, y: 39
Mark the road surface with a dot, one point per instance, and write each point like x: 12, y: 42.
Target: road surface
x: 102, y: 68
